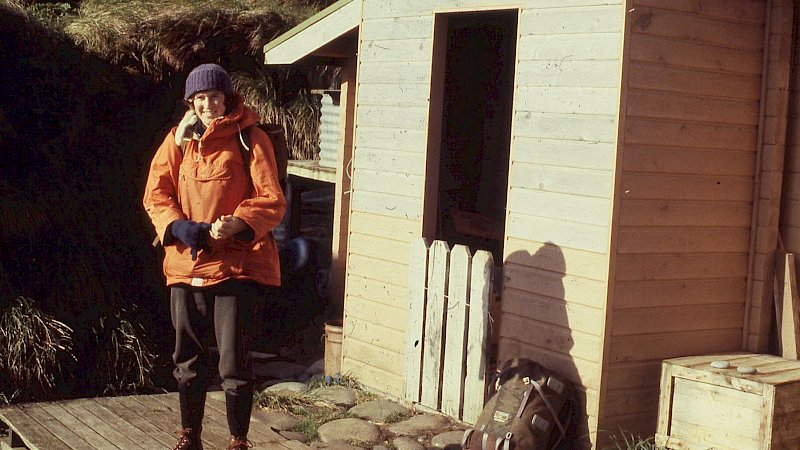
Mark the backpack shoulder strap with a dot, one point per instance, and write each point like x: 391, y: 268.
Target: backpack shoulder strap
x: 245, y: 144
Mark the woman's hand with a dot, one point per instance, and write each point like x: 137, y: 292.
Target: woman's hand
x: 227, y: 226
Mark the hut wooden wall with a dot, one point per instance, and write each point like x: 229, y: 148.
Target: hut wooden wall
x: 561, y: 185
x: 684, y: 195
x: 790, y: 211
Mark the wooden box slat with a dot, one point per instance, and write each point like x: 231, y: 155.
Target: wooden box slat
x: 703, y: 407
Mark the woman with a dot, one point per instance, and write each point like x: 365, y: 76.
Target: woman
x: 215, y: 224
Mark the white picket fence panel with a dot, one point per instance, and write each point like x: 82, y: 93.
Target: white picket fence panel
x: 447, y: 332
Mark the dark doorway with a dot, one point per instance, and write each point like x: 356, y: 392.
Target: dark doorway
x: 472, y: 93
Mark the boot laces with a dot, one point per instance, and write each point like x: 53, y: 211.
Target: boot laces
x: 187, y: 440
x: 239, y: 444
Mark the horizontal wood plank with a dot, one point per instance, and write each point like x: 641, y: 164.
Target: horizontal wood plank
x: 546, y: 178
x: 560, y: 21
x: 591, y: 238
x: 552, y: 258
x: 563, y: 153
x: 576, y: 74
x: 558, y: 286
x: 648, y: 267
x: 575, y: 208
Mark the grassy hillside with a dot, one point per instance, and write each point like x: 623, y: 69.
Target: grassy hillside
x: 89, y: 90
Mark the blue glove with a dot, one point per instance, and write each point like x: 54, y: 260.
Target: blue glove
x: 193, y: 234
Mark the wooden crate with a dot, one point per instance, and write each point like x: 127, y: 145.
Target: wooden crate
x: 704, y: 407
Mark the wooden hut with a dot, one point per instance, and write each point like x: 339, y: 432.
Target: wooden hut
x: 622, y: 160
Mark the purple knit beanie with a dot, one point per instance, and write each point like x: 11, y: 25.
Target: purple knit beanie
x: 206, y: 77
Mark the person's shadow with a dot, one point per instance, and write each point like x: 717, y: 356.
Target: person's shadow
x: 535, y: 325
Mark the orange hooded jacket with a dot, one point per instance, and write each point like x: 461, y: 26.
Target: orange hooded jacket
x: 209, y: 181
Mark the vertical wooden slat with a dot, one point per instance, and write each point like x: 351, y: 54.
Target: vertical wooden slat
x: 417, y: 278
x: 790, y: 321
x: 434, y: 323
x: 478, y: 335
x: 456, y: 327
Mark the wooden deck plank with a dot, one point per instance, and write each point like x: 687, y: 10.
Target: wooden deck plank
x: 156, y: 434
x: 127, y: 423
x: 213, y: 433
x: 37, y: 435
x: 79, y: 427
x: 130, y: 431
x: 118, y: 437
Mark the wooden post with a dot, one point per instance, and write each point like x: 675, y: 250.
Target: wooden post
x: 438, y: 267
x: 415, y: 319
x: 456, y: 328
x: 790, y: 320
x: 480, y: 297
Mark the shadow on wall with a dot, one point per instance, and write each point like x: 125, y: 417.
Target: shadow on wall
x: 535, y: 324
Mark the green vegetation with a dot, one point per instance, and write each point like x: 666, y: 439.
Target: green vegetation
x: 92, y: 89
x: 627, y: 441
x: 34, y: 343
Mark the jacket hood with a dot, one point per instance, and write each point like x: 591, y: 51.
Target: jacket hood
x: 240, y: 115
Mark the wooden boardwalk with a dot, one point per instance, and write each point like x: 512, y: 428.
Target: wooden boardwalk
x: 133, y: 422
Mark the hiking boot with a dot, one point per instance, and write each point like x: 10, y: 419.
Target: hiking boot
x: 189, y: 440
x: 238, y: 443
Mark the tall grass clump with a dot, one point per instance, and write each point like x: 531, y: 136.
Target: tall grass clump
x: 124, y: 358
x: 34, y: 343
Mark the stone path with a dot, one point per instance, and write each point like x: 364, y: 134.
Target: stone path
x: 373, y: 424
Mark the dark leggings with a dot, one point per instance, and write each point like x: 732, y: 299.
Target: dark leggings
x: 227, y: 313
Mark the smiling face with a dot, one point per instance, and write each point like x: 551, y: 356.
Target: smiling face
x: 208, y: 105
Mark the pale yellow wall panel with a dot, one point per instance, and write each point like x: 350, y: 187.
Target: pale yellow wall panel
x: 400, y: 229
x: 567, y: 100
x: 562, y: 180
x: 389, y: 383
x: 555, y: 311
x: 568, y: 127
x: 378, y: 270
x: 384, y: 344
x: 395, y: 72
x: 402, y: 184
x: 394, y: 161
x: 389, y: 49
x: 565, y: 207
x: 381, y: 296
x: 570, y: 47
x: 393, y: 95
x: 555, y: 285
x: 549, y: 257
x: 566, y: 20
x: 591, y: 238
x: 383, y: 248
x: 579, y: 74
x: 386, y: 204
x: 564, y: 153
x: 378, y: 137
x: 402, y: 117
x: 414, y: 27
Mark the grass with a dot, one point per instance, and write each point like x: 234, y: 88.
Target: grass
x: 628, y: 441
x: 34, y: 344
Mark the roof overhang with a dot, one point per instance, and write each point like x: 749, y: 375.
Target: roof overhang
x: 330, y: 34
